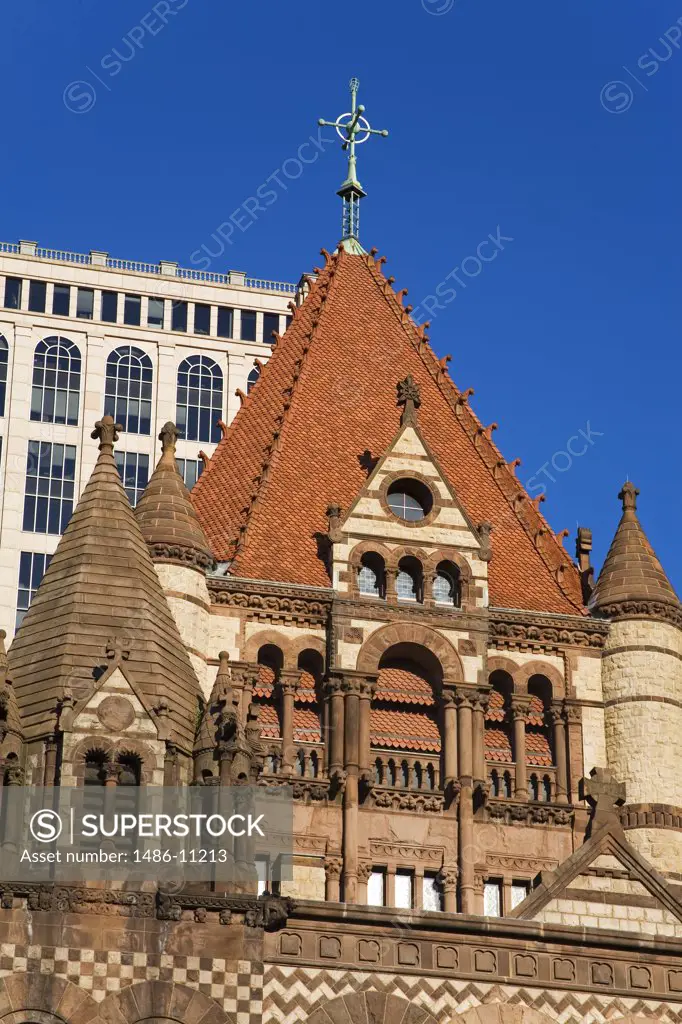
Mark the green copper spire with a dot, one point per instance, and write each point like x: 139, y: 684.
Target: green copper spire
x: 353, y: 129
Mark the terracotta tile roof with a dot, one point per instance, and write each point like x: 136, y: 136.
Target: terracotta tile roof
x: 306, y: 726
x: 497, y: 744
x: 268, y: 719
x: 631, y: 571
x: 402, y: 686
x: 326, y: 396
x: 101, y: 585
x: 403, y: 730
x: 538, y: 750
x: 266, y: 682
x: 306, y: 692
x: 496, y: 711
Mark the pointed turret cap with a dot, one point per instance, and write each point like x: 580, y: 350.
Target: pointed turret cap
x: 101, y: 592
x: 165, y: 514
x: 632, y: 579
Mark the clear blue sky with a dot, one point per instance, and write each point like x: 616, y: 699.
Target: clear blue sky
x: 501, y: 116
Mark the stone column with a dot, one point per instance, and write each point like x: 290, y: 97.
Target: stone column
x: 447, y: 879
x: 559, y: 737
x: 288, y: 682
x: 574, y: 730
x: 465, y: 832
x: 50, y: 761
x: 336, y: 723
x: 479, y: 708
x: 170, y: 765
x: 112, y: 772
x: 450, y: 767
x: 332, y: 873
x: 351, y: 688
x: 367, y: 688
x: 364, y: 871
x: 519, y: 708
x: 225, y: 764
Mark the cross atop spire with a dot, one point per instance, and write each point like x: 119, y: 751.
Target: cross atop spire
x: 353, y: 129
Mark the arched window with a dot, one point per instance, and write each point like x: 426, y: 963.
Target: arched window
x: 507, y: 784
x: 498, y: 728
x: 4, y: 360
x: 378, y: 772
x: 533, y: 787
x: 128, y: 389
x: 314, y: 763
x: 271, y: 661
x: 252, y: 379
x: 391, y: 773
x: 371, y: 575
x: 405, y: 774
x: 418, y: 777
x: 408, y: 582
x: 546, y: 789
x: 199, y: 399
x: 447, y: 585
x: 300, y: 763
x: 56, y: 381
x: 430, y: 777
x: 495, y: 788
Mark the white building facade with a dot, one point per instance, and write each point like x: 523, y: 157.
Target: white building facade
x: 81, y: 335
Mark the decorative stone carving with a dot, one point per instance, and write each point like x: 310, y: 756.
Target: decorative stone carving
x: 116, y: 713
x: 563, y: 970
x: 369, y: 951
x: 290, y: 944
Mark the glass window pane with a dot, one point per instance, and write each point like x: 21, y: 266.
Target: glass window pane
x: 519, y: 891
x: 85, y: 303
x: 131, y: 310
x: 109, y: 306
x: 13, y: 292
x: 248, y: 325
x: 179, y: 316
x: 225, y: 321
x: 270, y: 324
x: 403, y: 889
x: 155, y: 312
x: 37, y: 291
x: 202, y: 319
x: 61, y: 300
x: 376, y: 889
x: 492, y: 899
x: 432, y: 898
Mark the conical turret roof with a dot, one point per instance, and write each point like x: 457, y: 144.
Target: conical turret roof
x: 631, y: 570
x: 101, y: 594
x: 323, y: 406
x: 165, y: 513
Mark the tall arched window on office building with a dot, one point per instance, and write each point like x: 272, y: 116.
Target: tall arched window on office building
x: 56, y: 381
x: 128, y: 389
x: 199, y: 399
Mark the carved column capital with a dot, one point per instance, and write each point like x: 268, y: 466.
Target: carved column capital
x: 573, y: 713
x: 333, y: 867
x: 520, y: 706
x: 364, y: 871
x: 447, y: 877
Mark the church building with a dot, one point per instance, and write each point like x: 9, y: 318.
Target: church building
x: 479, y: 736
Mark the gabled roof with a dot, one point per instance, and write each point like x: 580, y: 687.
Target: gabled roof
x: 324, y: 404
x: 631, y: 571
x: 606, y: 846
x: 99, y: 597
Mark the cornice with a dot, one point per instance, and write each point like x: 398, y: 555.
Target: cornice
x: 514, y: 629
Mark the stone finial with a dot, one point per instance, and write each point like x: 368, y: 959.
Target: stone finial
x: 168, y: 436
x: 410, y: 398
x: 583, y: 549
x: 628, y: 495
x: 605, y: 795
x: 106, y: 431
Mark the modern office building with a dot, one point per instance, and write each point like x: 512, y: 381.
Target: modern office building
x: 81, y: 335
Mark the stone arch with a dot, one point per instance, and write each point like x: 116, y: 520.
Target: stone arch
x: 502, y: 1013
x: 149, y: 761
x: 539, y: 668
x: 377, y: 1007
x: 413, y: 633
x: 303, y: 643
x: 500, y: 664
x: 154, y: 1002
x: 46, y: 999
x: 262, y: 639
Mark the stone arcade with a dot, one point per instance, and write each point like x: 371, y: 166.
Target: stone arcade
x: 360, y: 600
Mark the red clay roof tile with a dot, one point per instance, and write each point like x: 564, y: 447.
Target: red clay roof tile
x: 326, y: 396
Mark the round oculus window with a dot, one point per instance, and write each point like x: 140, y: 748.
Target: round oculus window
x: 410, y: 500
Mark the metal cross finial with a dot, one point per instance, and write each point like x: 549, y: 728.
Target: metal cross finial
x: 353, y: 129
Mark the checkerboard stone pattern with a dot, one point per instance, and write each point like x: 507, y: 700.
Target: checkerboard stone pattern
x: 237, y: 987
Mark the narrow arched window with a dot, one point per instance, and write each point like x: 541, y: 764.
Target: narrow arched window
x: 507, y: 784
x: 199, y: 399
x: 405, y: 774
x: 391, y: 773
x: 378, y: 772
x: 408, y: 580
x: 446, y: 585
x: 546, y: 791
x: 4, y: 361
x: 418, y: 776
x: 533, y: 787
x: 55, y: 395
x: 314, y: 763
x: 252, y: 379
x: 430, y: 777
x: 371, y: 575
x: 128, y: 389
x: 300, y: 763
x: 495, y: 782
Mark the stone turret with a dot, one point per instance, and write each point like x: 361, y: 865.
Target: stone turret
x: 179, y: 550
x: 642, y: 686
